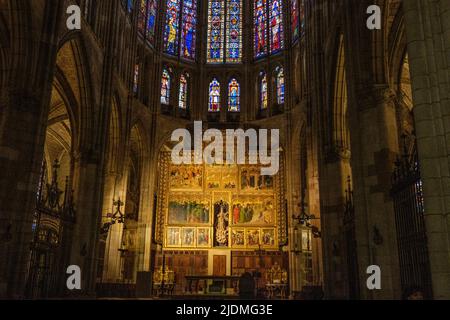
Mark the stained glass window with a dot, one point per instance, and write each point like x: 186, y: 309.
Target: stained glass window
x: 128, y: 4
x: 234, y: 96
x: 276, y: 26
x: 147, y: 19
x: 302, y: 16
x: 264, y: 91
x: 214, y: 96
x: 189, y: 29
x: 183, y: 96
x: 224, y: 31
x: 181, y: 16
x: 234, y: 31
x: 216, y: 12
x: 295, y: 25
x: 280, y: 85
x: 260, y: 22
x: 152, y: 6
x: 269, y: 30
x: 171, y: 40
x: 165, y: 87
x: 136, y: 79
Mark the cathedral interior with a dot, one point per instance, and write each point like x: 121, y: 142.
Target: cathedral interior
x: 87, y: 178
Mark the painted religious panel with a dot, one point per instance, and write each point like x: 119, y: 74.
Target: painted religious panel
x: 188, y: 212
x: 253, y: 212
x: 203, y: 237
x: 188, y: 236
x: 238, y: 238
x: 213, y: 177
x: 221, y: 177
x: 185, y: 177
x: 229, y: 177
x: 268, y: 238
x: 221, y: 223
x: 253, y: 238
x: 251, y: 179
x: 173, y: 237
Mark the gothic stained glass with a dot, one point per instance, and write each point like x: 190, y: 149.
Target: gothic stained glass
x: 215, y: 31
x: 183, y: 96
x: 234, y: 96
x: 128, y: 4
x: 269, y: 30
x: 214, y: 96
x: 147, y: 19
x: 295, y: 25
x: 302, y: 16
x: 171, y: 41
x: 136, y: 79
x: 260, y: 22
x: 181, y: 17
x: 165, y: 87
x: 280, y: 85
x: 264, y: 92
x: 189, y: 26
x: 142, y: 16
x: 234, y: 31
x: 224, y: 31
x: 276, y: 26
x: 152, y: 6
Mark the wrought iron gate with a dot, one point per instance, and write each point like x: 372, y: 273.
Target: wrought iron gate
x: 408, y: 199
x: 350, y: 244
x: 52, y: 225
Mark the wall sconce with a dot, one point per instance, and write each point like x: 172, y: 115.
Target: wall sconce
x: 305, y: 219
x: 115, y: 218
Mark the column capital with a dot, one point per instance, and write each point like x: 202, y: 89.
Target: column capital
x: 374, y: 96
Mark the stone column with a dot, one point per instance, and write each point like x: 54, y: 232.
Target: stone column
x: 374, y: 150
x: 109, y: 195
x: 335, y: 169
x: 427, y: 25
x: 24, y: 103
x: 22, y: 139
x: 88, y: 194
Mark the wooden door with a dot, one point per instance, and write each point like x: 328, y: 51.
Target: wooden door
x: 220, y: 266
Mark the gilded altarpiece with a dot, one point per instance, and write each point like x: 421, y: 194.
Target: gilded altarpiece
x: 219, y: 206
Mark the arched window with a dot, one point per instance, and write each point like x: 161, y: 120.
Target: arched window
x: 214, y: 96
x: 280, y: 82
x: 147, y: 19
x: 183, y: 95
x: 264, y: 92
x: 269, y: 30
x: 165, y: 87
x: 181, y: 16
x: 234, y: 96
x: 224, y: 31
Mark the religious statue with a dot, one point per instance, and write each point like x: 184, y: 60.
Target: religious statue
x: 222, y: 222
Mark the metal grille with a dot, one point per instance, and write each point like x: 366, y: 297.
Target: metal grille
x: 350, y: 244
x: 408, y: 199
x: 52, y: 224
